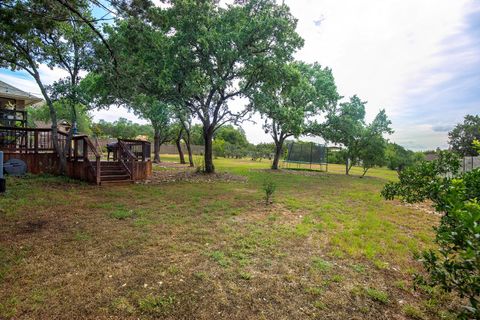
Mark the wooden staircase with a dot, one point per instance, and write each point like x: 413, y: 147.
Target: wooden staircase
x: 84, y: 162
x: 113, y: 172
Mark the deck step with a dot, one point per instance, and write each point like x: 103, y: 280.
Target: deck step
x: 113, y: 173
x: 116, y: 182
x: 115, y: 177
x: 108, y: 165
x: 109, y: 171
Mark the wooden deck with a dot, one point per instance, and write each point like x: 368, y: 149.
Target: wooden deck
x: 84, y: 162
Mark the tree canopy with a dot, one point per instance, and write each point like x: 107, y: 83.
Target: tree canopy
x: 346, y: 125
x: 27, y: 40
x: 462, y: 136
x: 290, y: 98
x: 225, y: 51
x: 121, y: 128
x: 42, y: 113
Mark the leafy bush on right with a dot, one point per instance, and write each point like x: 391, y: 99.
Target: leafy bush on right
x: 455, y: 266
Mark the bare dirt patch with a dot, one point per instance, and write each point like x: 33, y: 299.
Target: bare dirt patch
x: 32, y: 226
x: 426, y: 206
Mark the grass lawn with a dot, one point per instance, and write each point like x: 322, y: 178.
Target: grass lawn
x: 329, y: 247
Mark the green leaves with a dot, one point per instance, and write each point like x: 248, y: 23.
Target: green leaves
x: 398, y: 158
x: 291, y: 96
x: 461, y: 138
x: 346, y: 125
x: 456, y: 264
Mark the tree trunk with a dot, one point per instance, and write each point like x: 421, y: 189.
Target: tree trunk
x: 278, y: 154
x: 179, y: 148
x: 53, y: 118
x: 156, y: 147
x: 347, y: 169
x: 349, y: 166
x: 364, y: 172
x: 189, y: 149
x: 208, y: 136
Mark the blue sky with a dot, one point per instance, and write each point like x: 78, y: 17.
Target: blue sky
x: 420, y: 60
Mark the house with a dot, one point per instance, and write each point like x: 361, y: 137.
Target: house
x: 37, y: 147
x: 13, y: 103
x: 62, y: 125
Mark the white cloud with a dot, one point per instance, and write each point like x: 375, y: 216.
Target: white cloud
x: 25, y: 82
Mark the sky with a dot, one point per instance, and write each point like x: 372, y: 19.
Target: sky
x: 418, y: 59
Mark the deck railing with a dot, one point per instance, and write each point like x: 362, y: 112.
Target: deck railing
x: 140, y: 149
x: 126, y: 157
x: 29, y: 140
x: 84, y: 150
x: 130, y: 152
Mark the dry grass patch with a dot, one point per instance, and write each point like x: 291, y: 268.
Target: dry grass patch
x: 328, y: 248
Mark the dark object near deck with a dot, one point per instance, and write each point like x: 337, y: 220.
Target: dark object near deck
x: 15, y: 167
x: 112, y: 148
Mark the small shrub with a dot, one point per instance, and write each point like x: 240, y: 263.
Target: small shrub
x: 269, y: 188
x: 199, y: 163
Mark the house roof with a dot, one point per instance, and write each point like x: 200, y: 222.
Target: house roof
x: 48, y: 124
x: 9, y: 91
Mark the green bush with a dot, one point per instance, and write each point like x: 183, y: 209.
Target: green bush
x: 455, y: 266
x: 269, y: 188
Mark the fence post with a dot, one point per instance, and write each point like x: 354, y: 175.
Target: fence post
x: 326, y: 157
x: 35, y: 141
x: 98, y: 167
x: 3, y: 185
x: 75, y: 149
x: 85, y: 149
x: 311, y: 147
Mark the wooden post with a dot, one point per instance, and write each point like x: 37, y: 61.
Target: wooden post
x: 75, y: 150
x: 98, y: 170
x: 326, y: 157
x: 85, y: 149
x: 35, y: 141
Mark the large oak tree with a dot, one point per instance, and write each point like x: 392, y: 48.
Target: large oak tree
x: 36, y: 32
x: 222, y: 52
x: 291, y: 98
